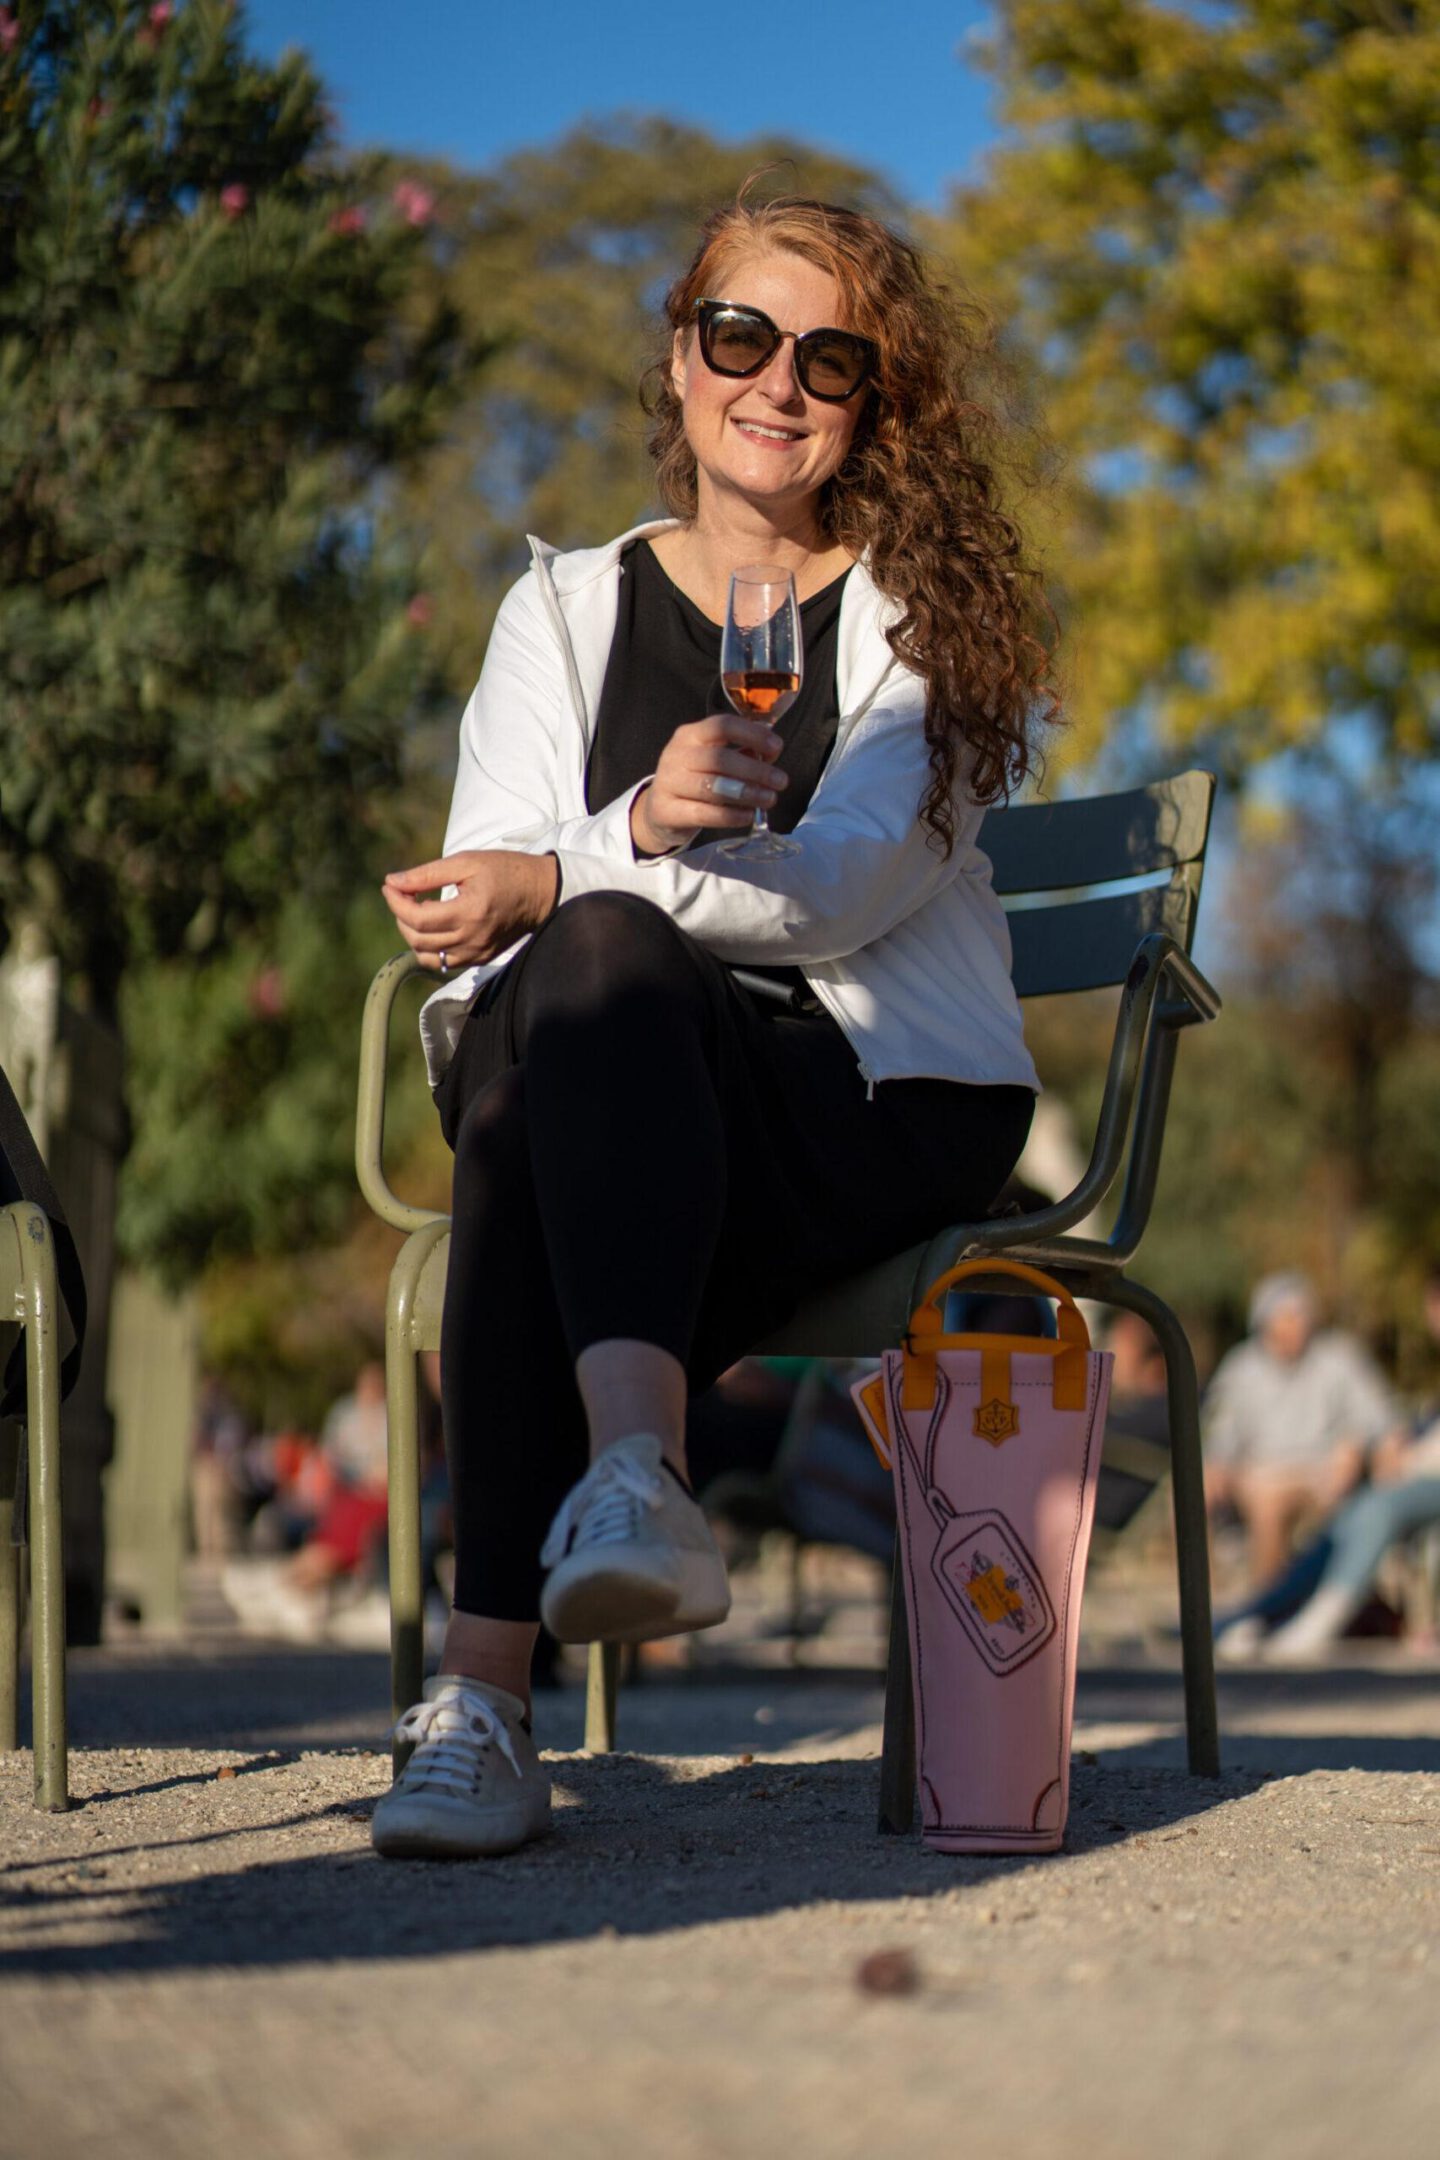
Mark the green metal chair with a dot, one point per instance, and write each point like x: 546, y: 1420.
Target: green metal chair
x: 30, y: 1300
x: 1148, y: 847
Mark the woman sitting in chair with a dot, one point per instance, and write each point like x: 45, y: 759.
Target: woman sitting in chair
x: 687, y: 1087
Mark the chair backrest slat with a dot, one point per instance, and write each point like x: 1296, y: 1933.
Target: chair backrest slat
x: 1089, y: 944
x: 1044, y: 847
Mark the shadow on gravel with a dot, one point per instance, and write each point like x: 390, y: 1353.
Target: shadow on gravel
x: 1278, y: 1722
x: 635, y: 1852
x: 253, y: 1696
x: 232, y: 1695
x: 643, y: 1844
x: 241, y: 1696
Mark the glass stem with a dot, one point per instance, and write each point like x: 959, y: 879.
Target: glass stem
x: 760, y: 830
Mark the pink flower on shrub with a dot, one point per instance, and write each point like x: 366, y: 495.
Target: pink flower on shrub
x: 416, y: 204
x: 161, y: 13
x: 267, y: 994
x: 235, y: 199
x: 9, y: 31
x: 349, y: 221
x: 420, y: 613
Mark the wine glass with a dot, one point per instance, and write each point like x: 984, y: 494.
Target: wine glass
x: 761, y: 665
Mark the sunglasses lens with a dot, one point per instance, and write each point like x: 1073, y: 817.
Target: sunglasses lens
x: 833, y: 364
x: 738, y: 342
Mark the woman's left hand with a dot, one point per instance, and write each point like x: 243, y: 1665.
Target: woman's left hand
x: 500, y: 895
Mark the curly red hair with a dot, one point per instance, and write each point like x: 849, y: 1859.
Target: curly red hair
x: 917, y: 497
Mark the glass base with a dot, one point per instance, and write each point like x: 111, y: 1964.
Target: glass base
x: 760, y: 846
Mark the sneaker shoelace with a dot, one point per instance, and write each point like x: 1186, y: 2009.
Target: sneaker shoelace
x: 604, y: 1508
x: 451, y: 1737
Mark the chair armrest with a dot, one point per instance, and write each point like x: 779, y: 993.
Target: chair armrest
x: 1191, y: 997
x: 1163, y: 990
x: 370, y: 1101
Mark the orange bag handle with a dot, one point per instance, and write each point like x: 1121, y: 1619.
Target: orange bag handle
x: 926, y: 1335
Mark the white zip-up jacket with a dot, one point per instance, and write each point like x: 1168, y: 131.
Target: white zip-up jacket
x: 907, y: 948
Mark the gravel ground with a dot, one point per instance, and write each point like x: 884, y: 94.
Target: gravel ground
x: 714, y: 1955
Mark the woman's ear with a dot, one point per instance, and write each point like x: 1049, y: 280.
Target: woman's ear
x: 677, y: 364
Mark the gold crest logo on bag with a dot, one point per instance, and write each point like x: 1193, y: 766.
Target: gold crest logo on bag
x: 996, y: 1421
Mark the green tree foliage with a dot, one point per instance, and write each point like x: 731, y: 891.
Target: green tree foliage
x: 242, y: 1087
x: 210, y: 361
x: 1217, y: 230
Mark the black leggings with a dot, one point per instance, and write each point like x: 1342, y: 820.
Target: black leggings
x: 642, y: 1150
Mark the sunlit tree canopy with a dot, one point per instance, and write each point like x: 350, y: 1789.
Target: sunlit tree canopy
x: 1216, y: 230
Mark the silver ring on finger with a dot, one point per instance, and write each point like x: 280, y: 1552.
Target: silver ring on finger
x: 444, y: 963
x: 726, y: 789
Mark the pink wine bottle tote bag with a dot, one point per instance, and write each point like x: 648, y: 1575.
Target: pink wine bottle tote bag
x: 994, y: 1443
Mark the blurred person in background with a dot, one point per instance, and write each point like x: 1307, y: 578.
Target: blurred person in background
x: 655, y: 1157
x: 219, y: 1438
x: 292, y: 1597
x: 1292, y: 1416
x: 351, y: 1526
x: 298, y: 1484
x: 1310, y: 1605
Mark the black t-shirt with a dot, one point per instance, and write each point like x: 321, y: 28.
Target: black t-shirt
x: 664, y: 670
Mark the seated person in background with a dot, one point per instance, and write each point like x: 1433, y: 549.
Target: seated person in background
x: 1315, y: 1599
x: 345, y: 1538
x: 299, y: 1484
x: 351, y: 1527
x: 1326, y: 1585
x: 1291, y: 1415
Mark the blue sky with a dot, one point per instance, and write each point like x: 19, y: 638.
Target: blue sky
x: 472, y: 79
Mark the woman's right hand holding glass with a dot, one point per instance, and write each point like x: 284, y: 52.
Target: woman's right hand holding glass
x: 712, y: 776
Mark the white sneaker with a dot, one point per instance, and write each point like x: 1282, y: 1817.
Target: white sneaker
x: 1241, y: 1641
x: 361, y: 1623
x: 474, y: 1784
x: 1315, y: 1629
x: 630, y: 1553
x: 266, y: 1602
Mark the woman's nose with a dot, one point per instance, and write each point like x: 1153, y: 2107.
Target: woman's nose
x: 778, y: 379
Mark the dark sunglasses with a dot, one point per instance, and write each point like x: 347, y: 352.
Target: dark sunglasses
x: 831, y: 364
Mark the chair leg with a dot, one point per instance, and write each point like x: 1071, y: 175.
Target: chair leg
x: 602, y: 1692
x: 402, y: 1406
x: 39, y: 1304
x: 897, y: 1757
x: 9, y: 1595
x: 1192, y: 1545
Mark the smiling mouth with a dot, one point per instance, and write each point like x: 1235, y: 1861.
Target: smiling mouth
x: 769, y: 434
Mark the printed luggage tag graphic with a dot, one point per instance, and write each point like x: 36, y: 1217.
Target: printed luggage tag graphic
x: 994, y: 1589
x: 996, y: 1421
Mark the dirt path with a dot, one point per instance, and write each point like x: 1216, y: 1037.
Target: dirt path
x: 196, y: 1963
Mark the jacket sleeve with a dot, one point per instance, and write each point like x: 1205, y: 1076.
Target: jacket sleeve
x: 511, y: 736
x: 865, y: 861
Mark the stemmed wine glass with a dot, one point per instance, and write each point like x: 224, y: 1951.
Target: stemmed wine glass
x: 761, y: 665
